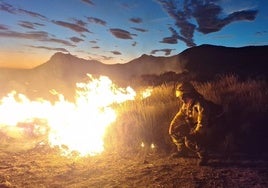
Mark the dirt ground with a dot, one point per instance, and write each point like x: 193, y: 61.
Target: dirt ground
x: 44, y: 167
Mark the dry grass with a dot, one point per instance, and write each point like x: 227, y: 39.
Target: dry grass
x: 230, y: 92
x: 147, y: 120
x: 144, y: 120
x: 245, y: 103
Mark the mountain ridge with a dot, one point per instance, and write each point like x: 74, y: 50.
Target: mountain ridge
x: 209, y: 60
x: 62, y: 71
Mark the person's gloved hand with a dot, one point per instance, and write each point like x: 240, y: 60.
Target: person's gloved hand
x: 198, y: 129
x: 194, y: 134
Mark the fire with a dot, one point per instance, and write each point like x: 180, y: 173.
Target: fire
x: 78, y: 126
x: 147, y: 92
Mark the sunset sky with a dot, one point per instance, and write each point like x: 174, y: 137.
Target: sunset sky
x: 117, y: 31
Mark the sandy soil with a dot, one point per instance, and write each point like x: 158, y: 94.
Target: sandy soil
x: 44, y: 167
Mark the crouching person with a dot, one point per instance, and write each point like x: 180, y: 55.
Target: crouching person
x: 190, y: 128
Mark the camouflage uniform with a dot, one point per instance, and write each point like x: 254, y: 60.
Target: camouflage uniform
x: 191, y: 125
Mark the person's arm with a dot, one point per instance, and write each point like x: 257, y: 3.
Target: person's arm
x: 202, y: 118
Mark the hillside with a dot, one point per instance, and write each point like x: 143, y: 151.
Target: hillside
x: 66, y: 66
x: 207, y: 61
x: 63, y: 71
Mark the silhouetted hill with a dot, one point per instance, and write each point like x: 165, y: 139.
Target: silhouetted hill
x: 63, y: 71
x: 203, y: 62
x: 147, y: 64
x: 206, y: 61
x: 66, y: 65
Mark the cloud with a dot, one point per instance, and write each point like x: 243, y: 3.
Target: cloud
x: 82, y: 35
x: 29, y: 25
x: 3, y: 27
x: 32, y: 14
x: 166, y: 51
x: 36, y: 35
x: 90, y: 2
x: 96, y: 21
x: 259, y: 33
x: 170, y: 40
x: 7, y: 8
x: 189, y: 42
x: 95, y: 47
x: 122, y: 34
x: 30, y: 35
x: 207, y: 16
x: 134, y: 43
x: 128, y: 6
x: 80, y: 22
x: 93, y: 41
x: 173, y: 39
x: 139, y: 29
x: 73, y: 26
x: 136, y: 20
x: 76, y: 39
x: 60, y: 41
x: 12, y: 10
x: 181, y: 19
x: 116, y: 52
x: 49, y: 48
x: 106, y: 57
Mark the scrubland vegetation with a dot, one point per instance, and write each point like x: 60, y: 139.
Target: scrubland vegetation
x: 242, y: 127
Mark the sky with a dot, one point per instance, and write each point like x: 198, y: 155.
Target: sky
x: 117, y: 31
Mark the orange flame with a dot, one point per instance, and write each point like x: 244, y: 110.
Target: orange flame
x: 147, y: 92
x: 78, y: 126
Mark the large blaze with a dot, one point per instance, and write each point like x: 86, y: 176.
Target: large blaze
x: 72, y: 126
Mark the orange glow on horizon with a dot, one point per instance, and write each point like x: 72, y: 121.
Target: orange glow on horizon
x: 29, y: 60
x: 22, y: 60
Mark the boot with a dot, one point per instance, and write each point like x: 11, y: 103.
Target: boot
x: 203, y: 159
x: 180, y: 152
